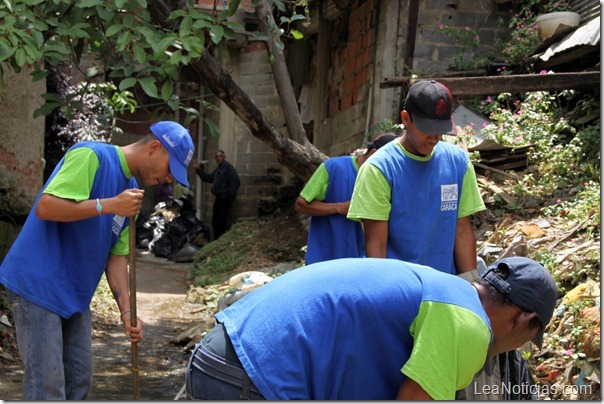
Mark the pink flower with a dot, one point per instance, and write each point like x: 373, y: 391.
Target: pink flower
x: 559, y: 201
x: 489, y: 99
x: 569, y: 352
x: 543, y: 72
x: 441, y: 26
x: 586, y: 183
x: 467, y: 28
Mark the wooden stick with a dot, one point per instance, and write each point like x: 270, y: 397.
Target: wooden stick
x: 132, y: 282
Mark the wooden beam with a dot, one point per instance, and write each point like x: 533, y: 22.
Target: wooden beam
x: 518, y: 83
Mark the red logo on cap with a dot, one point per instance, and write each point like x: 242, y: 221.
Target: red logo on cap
x: 441, y: 107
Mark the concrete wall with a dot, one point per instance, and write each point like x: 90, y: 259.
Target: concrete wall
x: 260, y: 173
x: 22, y: 136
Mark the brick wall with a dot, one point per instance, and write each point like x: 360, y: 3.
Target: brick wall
x: 352, y: 61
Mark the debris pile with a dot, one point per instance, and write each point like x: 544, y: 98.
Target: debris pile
x: 568, y: 365
x: 172, y: 231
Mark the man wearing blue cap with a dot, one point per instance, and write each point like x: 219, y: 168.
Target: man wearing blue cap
x: 369, y: 329
x: 76, y: 230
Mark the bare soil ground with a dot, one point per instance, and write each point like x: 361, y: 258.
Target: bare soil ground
x: 161, y: 304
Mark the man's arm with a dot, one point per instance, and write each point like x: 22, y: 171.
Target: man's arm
x: 410, y: 390
x: 319, y: 208
x: 127, y: 203
x: 117, y: 277
x: 205, y: 177
x: 464, y: 251
x: 376, y: 238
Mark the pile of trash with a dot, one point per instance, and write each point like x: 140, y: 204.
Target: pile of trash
x: 172, y: 231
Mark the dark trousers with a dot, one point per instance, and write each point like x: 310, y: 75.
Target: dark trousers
x: 220, y: 215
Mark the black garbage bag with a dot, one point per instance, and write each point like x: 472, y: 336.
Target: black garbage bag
x: 170, y: 236
x: 516, y: 374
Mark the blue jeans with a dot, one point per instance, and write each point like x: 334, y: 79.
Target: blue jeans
x: 56, y: 352
x: 215, y: 373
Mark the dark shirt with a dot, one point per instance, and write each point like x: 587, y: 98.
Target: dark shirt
x: 224, y: 180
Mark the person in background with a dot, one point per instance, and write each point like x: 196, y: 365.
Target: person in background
x: 225, y: 184
x: 326, y: 198
x: 76, y: 231
x: 369, y: 329
x: 416, y: 195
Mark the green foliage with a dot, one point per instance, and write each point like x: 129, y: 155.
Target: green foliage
x: 562, y: 134
x: 130, y: 48
x: 523, y: 39
x: 524, y: 36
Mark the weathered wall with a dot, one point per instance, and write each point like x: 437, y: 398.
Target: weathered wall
x: 351, y: 61
x: 22, y: 136
x: 366, y: 42
x: 434, y: 52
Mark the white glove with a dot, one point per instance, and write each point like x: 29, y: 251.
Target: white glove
x: 469, y: 276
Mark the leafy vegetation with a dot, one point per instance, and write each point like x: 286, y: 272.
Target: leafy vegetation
x: 131, y: 49
x: 564, y: 156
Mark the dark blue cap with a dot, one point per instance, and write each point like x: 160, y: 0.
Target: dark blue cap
x: 529, y: 285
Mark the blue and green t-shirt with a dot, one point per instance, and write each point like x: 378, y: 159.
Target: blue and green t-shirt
x: 58, y: 265
x: 333, y: 236
x: 354, y: 329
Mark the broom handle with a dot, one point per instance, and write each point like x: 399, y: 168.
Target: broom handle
x: 132, y: 283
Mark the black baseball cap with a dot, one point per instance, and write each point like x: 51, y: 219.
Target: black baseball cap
x: 380, y: 141
x: 529, y: 285
x: 430, y: 104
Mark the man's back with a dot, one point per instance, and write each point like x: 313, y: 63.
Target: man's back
x: 343, y: 329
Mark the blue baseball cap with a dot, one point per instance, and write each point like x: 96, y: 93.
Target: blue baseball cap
x: 177, y: 140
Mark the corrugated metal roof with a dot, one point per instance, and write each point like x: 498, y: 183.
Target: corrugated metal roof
x: 588, y: 34
x: 588, y: 9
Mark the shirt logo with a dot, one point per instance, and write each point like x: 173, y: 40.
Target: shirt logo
x: 118, y: 224
x: 448, y: 197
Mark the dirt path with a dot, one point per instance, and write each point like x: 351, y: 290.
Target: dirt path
x: 161, y: 292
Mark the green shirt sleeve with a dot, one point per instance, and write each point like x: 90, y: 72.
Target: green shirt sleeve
x: 371, y: 196
x: 450, y: 346
x: 316, y: 187
x: 470, y: 201
x: 74, y: 181
x: 76, y: 176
